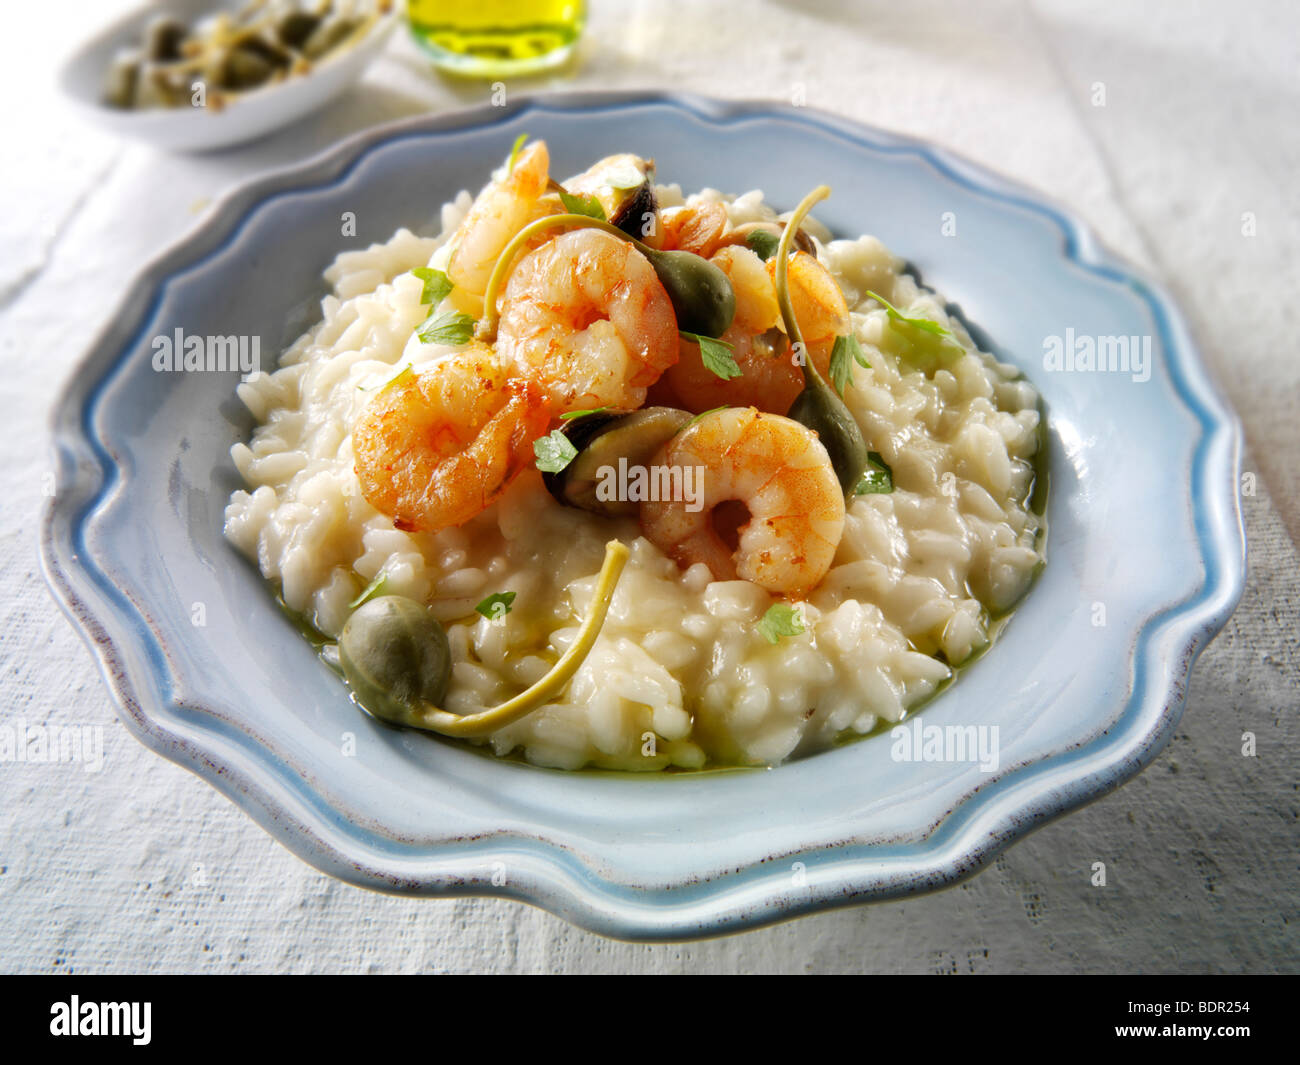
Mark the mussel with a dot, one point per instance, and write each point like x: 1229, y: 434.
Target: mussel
x: 606, y: 439
x: 624, y: 187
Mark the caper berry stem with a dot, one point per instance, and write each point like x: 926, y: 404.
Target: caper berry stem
x: 430, y: 717
x: 817, y: 406
x: 788, y: 317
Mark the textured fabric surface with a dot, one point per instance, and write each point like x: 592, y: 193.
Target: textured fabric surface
x: 144, y: 867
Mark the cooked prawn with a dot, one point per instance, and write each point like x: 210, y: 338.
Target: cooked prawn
x: 434, y: 448
x: 586, y: 318
x: 782, y: 476
x: 697, y: 229
x: 499, y: 212
x: 756, y: 307
x: 818, y: 304
x: 770, y: 379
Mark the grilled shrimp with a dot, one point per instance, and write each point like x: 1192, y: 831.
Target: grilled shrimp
x: 770, y: 379
x: 697, y: 229
x: 586, y: 318
x: 818, y: 304
x: 500, y: 211
x: 434, y: 448
x: 756, y: 308
x: 784, y: 526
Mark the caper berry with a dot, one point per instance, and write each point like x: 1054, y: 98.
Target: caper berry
x: 701, y: 294
x: 395, y: 656
x: 822, y: 411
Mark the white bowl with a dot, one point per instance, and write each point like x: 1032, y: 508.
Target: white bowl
x: 249, y: 115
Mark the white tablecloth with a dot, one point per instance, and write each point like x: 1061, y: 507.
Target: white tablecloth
x: 144, y: 866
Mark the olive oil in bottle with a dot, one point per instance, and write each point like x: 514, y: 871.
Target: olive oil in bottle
x: 491, y: 38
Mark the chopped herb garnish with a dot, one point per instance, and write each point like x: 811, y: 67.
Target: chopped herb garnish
x: 554, y: 452
x: 877, y: 478
x: 405, y: 372
x: 702, y: 414
x: 716, y: 355
x: 496, y: 606
x: 514, y: 153
x: 855, y: 349
x: 450, y: 327
x: 436, y: 285
x: 373, y: 589
x: 587, y: 206
x: 581, y: 413
x: 781, y: 619
x: 846, y: 351
x: 924, y: 324
x: 762, y: 243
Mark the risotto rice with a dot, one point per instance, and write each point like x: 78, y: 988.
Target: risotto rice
x: 681, y: 675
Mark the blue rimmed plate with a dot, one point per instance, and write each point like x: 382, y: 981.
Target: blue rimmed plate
x: 1084, y: 686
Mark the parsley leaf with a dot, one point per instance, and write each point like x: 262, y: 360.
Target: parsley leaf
x: 514, y: 153
x: 781, y: 619
x: 587, y: 206
x: 924, y: 324
x: 373, y: 589
x: 497, y: 606
x: 762, y: 243
x: 846, y: 351
x: 855, y: 349
x: 702, y: 414
x: 716, y: 355
x: 554, y: 452
x: 877, y: 478
x: 436, y: 285
x: 450, y: 327
x: 402, y: 375
x: 581, y: 413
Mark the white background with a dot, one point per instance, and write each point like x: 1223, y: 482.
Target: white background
x: 144, y: 867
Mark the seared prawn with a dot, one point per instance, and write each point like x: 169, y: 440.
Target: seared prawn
x: 500, y: 211
x: 770, y: 379
x: 586, y: 318
x: 788, y: 514
x: 697, y: 229
x: 818, y: 305
x: 435, y: 448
